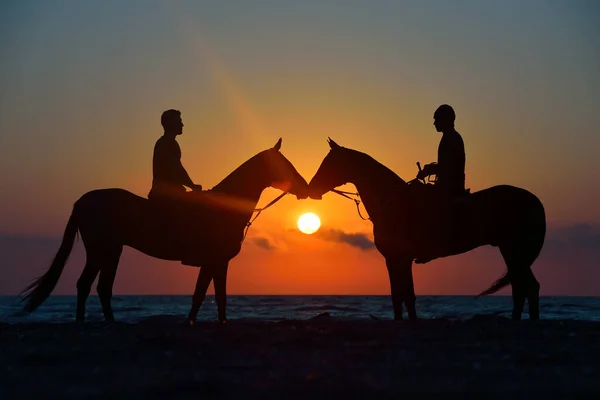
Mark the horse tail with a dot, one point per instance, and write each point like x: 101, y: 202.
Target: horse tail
x: 40, y: 288
x: 531, y: 241
x: 503, y: 281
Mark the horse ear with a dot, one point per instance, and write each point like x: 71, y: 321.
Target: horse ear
x: 277, y: 145
x: 332, y: 144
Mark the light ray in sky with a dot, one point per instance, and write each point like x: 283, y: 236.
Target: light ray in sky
x: 247, y: 118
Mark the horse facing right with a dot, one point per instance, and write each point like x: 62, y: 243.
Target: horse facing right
x: 109, y: 219
x: 503, y: 216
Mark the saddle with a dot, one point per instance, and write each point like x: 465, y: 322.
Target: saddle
x: 428, y: 217
x: 181, y: 218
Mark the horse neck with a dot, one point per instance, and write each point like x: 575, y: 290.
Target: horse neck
x: 374, y: 183
x: 242, y: 189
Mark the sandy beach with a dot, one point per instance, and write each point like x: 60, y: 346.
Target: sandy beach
x: 319, y: 358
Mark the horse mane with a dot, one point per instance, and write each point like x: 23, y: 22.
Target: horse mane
x: 384, y: 174
x: 234, y: 176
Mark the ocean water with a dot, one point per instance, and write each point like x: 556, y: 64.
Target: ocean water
x: 132, y: 309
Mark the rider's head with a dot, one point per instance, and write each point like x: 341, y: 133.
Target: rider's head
x: 443, y: 118
x: 171, y: 122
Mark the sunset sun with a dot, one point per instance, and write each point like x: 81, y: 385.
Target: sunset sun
x: 309, y: 223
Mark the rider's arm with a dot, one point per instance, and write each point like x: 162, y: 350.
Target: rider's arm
x: 183, y: 176
x: 429, y: 169
x: 450, y: 154
x: 432, y: 169
x: 170, y: 153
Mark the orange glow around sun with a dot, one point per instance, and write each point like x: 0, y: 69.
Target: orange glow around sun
x: 309, y: 223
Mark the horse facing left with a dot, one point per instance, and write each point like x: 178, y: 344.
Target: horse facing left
x: 509, y: 218
x: 108, y: 219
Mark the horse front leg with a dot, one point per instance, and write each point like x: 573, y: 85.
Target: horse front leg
x: 408, y: 288
x: 204, y: 277
x: 395, y: 288
x: 402, y: 286
x: 220, y: 283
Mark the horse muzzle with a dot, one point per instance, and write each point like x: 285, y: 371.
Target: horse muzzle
x: 315, y: 194
x: 301, y: 196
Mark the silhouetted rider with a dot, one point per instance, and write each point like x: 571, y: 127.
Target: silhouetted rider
x: 450, y: 167
x: 449, y: 183
x: 168, y: 180
x: 168, y: 174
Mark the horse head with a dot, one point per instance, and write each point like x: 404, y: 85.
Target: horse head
x: 282, y: 174
x: 332, y: 172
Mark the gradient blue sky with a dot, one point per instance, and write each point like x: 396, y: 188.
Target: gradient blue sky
x: 82, y: 86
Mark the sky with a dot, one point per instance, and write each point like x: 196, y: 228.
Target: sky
x: 83, y: 84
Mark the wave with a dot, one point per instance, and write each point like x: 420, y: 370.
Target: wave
x: 128, y: 309
x: 270, y: 308
x: 326, y: 308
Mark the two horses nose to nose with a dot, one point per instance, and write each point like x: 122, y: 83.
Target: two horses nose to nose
x: 308, y: 192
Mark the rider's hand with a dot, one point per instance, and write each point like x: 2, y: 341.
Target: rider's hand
x: 429, y: 169
x: 197, y: 188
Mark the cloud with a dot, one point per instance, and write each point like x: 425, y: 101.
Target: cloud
x: 263, y: 242
x: 580, y: 235
x: 267, y: 241
x: 579, y: 238
x: 576, y: 245
x: 359, y: 240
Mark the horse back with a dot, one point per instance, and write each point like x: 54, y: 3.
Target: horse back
x: 502, y: 197
x: 118, y: 215
x: 499, y: 211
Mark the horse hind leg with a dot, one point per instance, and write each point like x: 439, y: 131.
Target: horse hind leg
x: 106, y: 280
x: 518, y: 295
x: 533, y: 295
x: 86, y: 279
x: 517, y: 281
x: 523, y: 282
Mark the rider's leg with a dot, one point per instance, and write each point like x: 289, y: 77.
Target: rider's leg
x: 188, y: 217
x: 439, y: 232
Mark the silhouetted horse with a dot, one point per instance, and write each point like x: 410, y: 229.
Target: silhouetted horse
x: 109, y: 219
x: 503, y: 216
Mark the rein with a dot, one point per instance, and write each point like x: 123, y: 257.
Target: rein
x: 356, y: 201
x: 275, y: 200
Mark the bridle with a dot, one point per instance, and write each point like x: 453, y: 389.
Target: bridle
x: 356, y: 201
x: 275, y: 200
